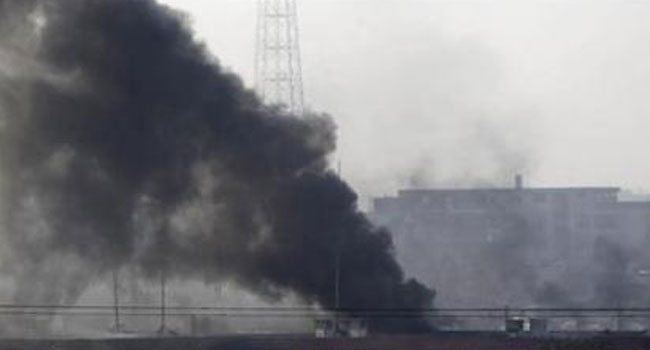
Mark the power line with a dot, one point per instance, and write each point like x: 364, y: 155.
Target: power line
x: 155, y: 309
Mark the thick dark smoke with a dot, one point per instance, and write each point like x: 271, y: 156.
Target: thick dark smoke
x: 615, y: 281
x: 123, y: 142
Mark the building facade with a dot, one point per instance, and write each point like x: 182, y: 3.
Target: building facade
x: 520, y: 246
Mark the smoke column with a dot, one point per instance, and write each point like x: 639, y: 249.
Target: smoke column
x: 123, y: 142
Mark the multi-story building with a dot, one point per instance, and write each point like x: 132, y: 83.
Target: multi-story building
x: 520, y: 246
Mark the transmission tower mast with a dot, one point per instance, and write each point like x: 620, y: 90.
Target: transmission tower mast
x: 278, y: 71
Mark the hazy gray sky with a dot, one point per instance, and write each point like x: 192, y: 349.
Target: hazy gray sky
x: 466, y: 92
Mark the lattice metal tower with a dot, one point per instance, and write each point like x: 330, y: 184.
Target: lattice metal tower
x: 278, y: 71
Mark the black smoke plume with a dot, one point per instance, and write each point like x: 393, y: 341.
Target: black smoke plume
x: 122, y: 142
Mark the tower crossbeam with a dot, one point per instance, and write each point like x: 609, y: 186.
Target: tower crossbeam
x: 278, y: 70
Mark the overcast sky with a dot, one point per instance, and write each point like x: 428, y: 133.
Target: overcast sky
x: 460, y: 93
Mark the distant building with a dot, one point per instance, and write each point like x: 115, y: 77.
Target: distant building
x: 518, y: 246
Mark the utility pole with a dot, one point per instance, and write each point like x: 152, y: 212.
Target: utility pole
x: 278, y: 70
x: 337, y: 282
x: 337, y: 267
x: 337, y: 291
x: 163, y: 306
x: 116, y: 302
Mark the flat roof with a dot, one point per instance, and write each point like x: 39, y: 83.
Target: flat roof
x: 503, y: 189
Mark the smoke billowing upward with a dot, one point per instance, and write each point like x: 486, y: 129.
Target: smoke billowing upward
x: 123, y: 142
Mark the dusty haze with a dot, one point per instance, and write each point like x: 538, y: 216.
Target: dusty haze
x: 562, y: 83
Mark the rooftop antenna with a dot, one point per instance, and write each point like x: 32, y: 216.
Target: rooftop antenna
x: 278, y: 71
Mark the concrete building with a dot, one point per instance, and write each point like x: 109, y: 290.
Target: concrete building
x: 520, y: 246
